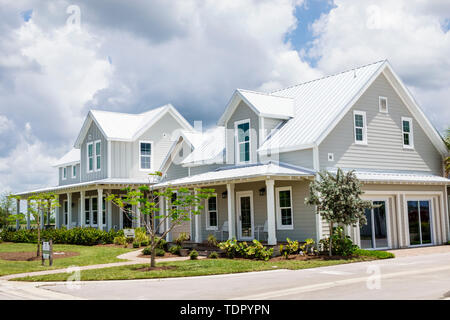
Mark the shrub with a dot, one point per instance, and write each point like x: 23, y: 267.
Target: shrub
x: 254, y: 251
x: 308, y: 246
x: 212, y: 240
x: 193, y: 255
x: 136, y: 244
x: 258, y: 251
x: 374, y: 253
x: 290, y: 248
x: 162, y: 244
x: 140, y: 235
x: 230, y: 247
x: 144, y: 243
x: 175, y: 249
x: 130, y: 240
x: 120, y: 240
x: 147, y: 251
x: 342, y: 245
x: 160, y: 252
x: 183, y: 236
x: 213, y: 255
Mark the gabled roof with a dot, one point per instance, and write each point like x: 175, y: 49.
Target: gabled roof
x: 263, y: 104
x: 125, y: 126
x: 264, y: 170
x: 70, y: 158
x: 209, y: 150
x: 320, y: 105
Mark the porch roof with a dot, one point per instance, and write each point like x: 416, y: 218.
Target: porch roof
x: 116, y: 182
x: 242, y: 173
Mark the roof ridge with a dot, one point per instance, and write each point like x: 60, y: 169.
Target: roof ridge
x: 329, y: 76
x: 263, y: 93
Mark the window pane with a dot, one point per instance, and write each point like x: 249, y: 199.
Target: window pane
x: 366, y: 231
x: 413, y: 221
x: 425, y: 221
x: 243, y: 132
x: 94, y: 204
x: 359, y: 120
x: 359, y: 134
x: 379, y: 221
x: 406, y: 139
x: 285, y: 198
x: 74, y: 171
x: 405, y: 126
x: 286, y: 217
x: 97, y: 148
x: 212, y: 204
x: 91, y: 164
x: 145, y: 162
x: 98, y: 162
x: 213, y: 219
x: 146, y: 149
x: 90, y: 150
x: 383, y: 103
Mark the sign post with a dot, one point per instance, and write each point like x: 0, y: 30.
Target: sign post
x: 47, y: 251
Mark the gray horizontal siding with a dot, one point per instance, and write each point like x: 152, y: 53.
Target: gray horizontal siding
x: 302, y: 158
x: 384, y: 135
x: 92, y: 135
x: 69, y: 180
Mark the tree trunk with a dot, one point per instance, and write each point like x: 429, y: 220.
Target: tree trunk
x: 152, y: 257
x: 330, y: 242
x: 38, y: 253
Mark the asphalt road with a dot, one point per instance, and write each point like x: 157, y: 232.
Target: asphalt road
x: 412, y: 277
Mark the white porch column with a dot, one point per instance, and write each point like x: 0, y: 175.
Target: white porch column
x: 166, y: 213
x: 231, y: 211
x: 82, y: 208
x: 162, y: 209
x: 109, y: 214
x: 28, y: 215
x: 197, y: 223
x: 100, y: 209
x: 69, y: 210
x: 18, y: 212
x: 271, y: 229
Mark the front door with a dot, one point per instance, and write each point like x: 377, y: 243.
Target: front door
x: 419, y: 221
x: 245, y: 215
x: 374, y: 234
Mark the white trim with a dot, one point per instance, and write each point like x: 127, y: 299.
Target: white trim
x: 364, y: 128
x: 151, y: 155
x: 380, y: 98
x: 208, y: 225
x: 237, y: 144
x: 97, y: 155
x: 280, y: 226
x: 410, y: 133
x: 240, y: 195
x: 74, y: 167
x: 64, y: 173
x: 87, y: 156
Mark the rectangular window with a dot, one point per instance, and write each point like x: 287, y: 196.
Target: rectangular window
x: 242, y: 132
x: 90, y: 157
x: 94, y: 211
x: 64, y: 173
x: 360, y: 127
x: 407, y: 133
x: 383, y: 104
x: 211, y: 223
x: 98, y: 155
x: 87, y: 211
x: 104, y: 211
x: 284, y: 208
x: 74, y: 171
x: 145, y: 155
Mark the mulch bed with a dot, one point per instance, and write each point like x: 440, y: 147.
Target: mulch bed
x: 31, y: 256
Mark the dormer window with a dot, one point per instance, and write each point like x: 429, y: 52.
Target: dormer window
x: 90, y: 157
x: 145, y: 155
x: 243, y: 141
x: 383, y: 104
x: 98, y: 155
x: 64, y: 173
x: 74, y: 172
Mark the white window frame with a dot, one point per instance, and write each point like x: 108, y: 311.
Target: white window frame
x: 208, y: 225
x: 87, y: 157
x: 74, y: 167
x: 364, y: 131
x: 236, y: 139
x: 65, y: 212
x: 96, y: 156
x: 379, y: 104
x: 411, y: 133
x: 151, y: 155
x: 280, y: 226
x: 64, y: 173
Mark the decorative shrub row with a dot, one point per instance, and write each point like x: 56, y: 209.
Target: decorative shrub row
x: 255, y: 250
x: 79, y: 236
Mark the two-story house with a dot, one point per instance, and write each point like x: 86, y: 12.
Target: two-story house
x: 261, y: 158
x: 268, y: 147
x: 112, y: 151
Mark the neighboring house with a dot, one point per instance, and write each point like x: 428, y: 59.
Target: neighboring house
x: 262, y: 155
x: 274, y: 143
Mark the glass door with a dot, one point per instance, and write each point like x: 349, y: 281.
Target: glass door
x: 245, y: 212
x: 419, y: 222
x: 374, y: 234
x: 126, y: 217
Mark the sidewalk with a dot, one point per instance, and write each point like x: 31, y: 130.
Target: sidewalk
x: 418, y: 251
x: 132, y: 257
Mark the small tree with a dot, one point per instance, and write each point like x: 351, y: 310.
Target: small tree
x: 43, y: 202
x: 7, y: 209
x: 179, y: 210
x: 337, y: 198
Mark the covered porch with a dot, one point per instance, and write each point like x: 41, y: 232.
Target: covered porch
x: 260, y: 201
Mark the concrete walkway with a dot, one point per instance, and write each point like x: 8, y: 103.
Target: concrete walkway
x: 132, y: 257
x: 419, y: 251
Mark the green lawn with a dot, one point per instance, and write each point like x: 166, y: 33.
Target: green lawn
x: 88, y: 255
x: 194, y: 268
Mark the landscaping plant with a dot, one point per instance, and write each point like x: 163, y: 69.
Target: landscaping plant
x: 308, y: 246
x: 183, y: 203
x: 338, y: 199
x: 213, y: 255
x: 342, y: 244
x: 175, y: 249
x: 182, y: 237
x: 290, y: 248
x: 212, y: 240
x: 193, y: 255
